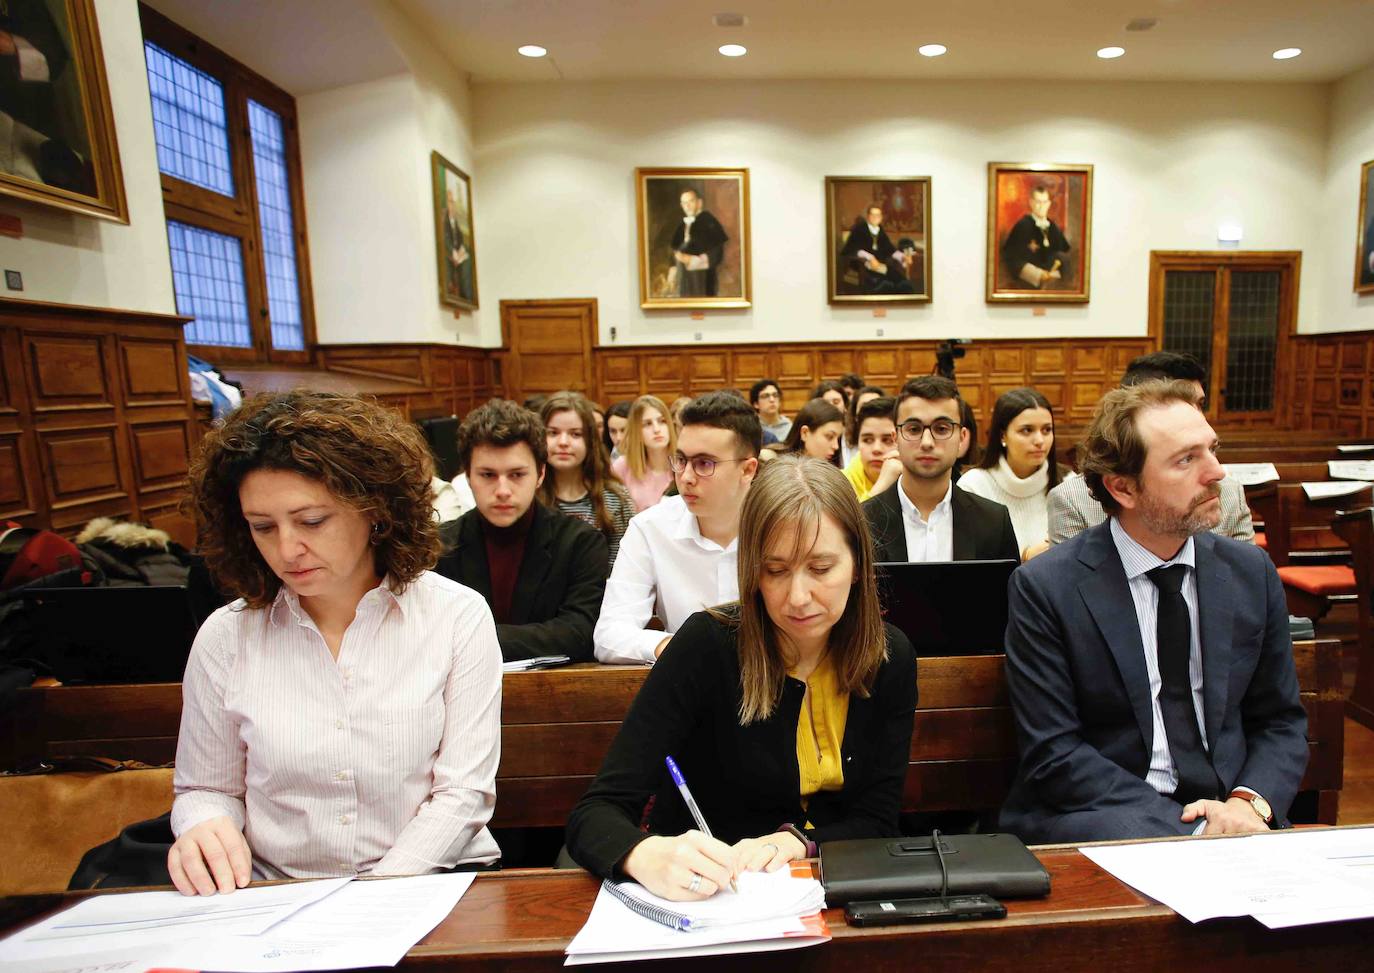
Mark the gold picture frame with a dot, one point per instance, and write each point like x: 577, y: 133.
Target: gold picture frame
x: 892, y: 266
x: 455, y: 238
x: 1364, y: 233
x: 1032, y: 263
x: 699, y: 260
x: 59, y: 116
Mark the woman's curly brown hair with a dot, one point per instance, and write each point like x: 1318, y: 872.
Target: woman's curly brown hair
x: 367, y: 456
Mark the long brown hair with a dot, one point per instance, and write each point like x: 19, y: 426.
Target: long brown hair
x: 367, y: 455
x: 632, y: 445
x: 596, y: 468
x: 797, y: 490
x: 812, y: 416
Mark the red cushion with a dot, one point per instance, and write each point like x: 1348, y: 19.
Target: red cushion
x: 1261, y: 540
x: 1320, y: 579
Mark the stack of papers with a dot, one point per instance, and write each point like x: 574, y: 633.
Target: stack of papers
x: 1362, y: 448
x: 1284, y: 878
x: 334, y: 924
x: 538, y: 662
x: 1252, y: 474
x: 1328, y: 489
x: 774, y: 910
x: 1350, y: 469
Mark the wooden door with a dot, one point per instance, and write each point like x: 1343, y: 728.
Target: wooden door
x: 548, y: 346
x: 1234, y: 312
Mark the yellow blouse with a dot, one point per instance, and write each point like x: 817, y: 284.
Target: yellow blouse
x: 820, y: 732
x: 857, y: 475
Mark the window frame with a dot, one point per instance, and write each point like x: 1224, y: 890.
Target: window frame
x: 237, y: 216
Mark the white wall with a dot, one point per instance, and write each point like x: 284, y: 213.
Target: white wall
x: 1351, y: 144
x: 1172, y: 161
x: 365, y: 156
x: 71, y: 259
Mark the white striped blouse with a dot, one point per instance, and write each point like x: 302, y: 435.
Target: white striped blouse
x: 382, y: 762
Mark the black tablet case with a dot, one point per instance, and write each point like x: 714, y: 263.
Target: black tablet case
x: 890, y: 868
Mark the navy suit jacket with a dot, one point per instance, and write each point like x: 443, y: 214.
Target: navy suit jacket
x: 1081, y: 695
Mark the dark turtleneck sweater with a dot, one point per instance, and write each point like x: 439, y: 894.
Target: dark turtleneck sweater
x: 505, y: 551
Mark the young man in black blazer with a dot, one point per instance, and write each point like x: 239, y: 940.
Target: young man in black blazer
x: 925, y: 516
x: 542, y: 572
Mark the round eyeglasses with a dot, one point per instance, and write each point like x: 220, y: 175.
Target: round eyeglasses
x: 701, y: 465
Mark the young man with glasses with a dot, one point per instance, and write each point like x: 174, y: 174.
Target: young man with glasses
x: 679, y: 556
x: 926, y: 517
x: 766, y: 399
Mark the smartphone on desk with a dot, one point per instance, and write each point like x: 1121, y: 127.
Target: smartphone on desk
x: 954, y: 908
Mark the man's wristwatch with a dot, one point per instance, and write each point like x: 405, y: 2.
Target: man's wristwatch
x: 1260, y: 805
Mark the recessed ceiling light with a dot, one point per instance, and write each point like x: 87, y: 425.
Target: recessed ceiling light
x: 1287, y: 52
x: 734, y: 50
x: 532, y: 50
x: 1107, y: 53
x: 932, y: 50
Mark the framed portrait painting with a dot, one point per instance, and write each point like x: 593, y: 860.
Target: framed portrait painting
x: 693, y: 235
x: 1364, y: 241
x: 1039, y: 232
x: 57, y: 134
x: 877, y: 233
x: 453, y: 235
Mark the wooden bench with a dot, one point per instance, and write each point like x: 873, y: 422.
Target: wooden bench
x: 557, y: 725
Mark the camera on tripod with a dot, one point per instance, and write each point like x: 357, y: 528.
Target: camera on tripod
x: 945, y: 354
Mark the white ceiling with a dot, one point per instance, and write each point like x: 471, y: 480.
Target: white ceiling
x: 310, y: 45
x: 1053, y: 39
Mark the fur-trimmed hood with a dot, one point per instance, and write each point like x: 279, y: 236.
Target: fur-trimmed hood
x: 130, y: 536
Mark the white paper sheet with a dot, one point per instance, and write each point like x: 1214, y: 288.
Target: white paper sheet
x: 1337, y: 488
x: 136, y: 920
x: 1282, y: 879
x: 1252, y: 474
x: 1350, y: 469
x: 1360, y: 448
x: 777, y: 901
x: 366, y: 924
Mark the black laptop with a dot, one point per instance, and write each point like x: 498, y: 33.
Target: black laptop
x: 113, y: 634
x: 947, y: 607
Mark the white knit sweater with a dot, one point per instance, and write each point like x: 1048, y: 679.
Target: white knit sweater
x: 1027, y: 500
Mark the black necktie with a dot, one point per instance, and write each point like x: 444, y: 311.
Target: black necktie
x: 1173, y: 643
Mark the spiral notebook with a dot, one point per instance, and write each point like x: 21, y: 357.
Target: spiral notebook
x: 780, y: 910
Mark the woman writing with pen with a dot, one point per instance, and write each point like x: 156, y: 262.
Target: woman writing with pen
x: 789, y: 712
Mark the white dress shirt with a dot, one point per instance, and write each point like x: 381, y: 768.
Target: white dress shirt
x: 928, y: 540
x: 382, y: 762
x: 665, y: 568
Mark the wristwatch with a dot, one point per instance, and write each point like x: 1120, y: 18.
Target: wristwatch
x: 1260, y: 805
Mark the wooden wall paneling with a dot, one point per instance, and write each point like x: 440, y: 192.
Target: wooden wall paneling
x: 151, y: 373
x: 1331, y: 388
x: 709, y: 370
x: 549, y: 345
x: 66, y: 371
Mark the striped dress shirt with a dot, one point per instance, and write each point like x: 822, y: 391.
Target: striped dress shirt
x: 381, y: 762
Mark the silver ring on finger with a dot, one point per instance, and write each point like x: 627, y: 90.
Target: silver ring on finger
x: 694, y: 886
x: 773, y: 846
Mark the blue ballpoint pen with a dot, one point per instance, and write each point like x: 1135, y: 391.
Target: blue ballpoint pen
x: 697, y: 816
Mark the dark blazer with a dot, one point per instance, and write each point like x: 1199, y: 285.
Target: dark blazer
x: 558, y: 591
x: 982, y: 527
x: 1081, y: 696
x: 744, y: 778
x: 1026, y: 243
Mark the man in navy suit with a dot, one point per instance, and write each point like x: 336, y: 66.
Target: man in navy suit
x: 1148, y: 660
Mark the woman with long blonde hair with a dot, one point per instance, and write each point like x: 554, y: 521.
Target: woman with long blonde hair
x: 650, y: 439
x: 789, y: 712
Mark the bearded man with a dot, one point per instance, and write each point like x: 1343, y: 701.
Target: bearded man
x: 1149, y: 661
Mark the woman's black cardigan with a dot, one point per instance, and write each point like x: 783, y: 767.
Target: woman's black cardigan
x: 744, y: 778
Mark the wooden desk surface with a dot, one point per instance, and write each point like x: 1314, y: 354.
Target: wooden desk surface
x: 522, y: 920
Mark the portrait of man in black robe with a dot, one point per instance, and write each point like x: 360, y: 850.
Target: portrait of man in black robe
x: 1035, y: 251
x: 698, y: 245
x: 869, y: 263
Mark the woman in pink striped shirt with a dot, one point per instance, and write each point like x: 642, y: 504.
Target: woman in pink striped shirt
x: 342, y: 717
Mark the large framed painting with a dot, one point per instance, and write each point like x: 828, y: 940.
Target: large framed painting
x: 1364, y: 244
x: 877, y: 231
x: 57, y: 134
x: 693, y: 231
x: 453, y: 233
x: 1039, y: 232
